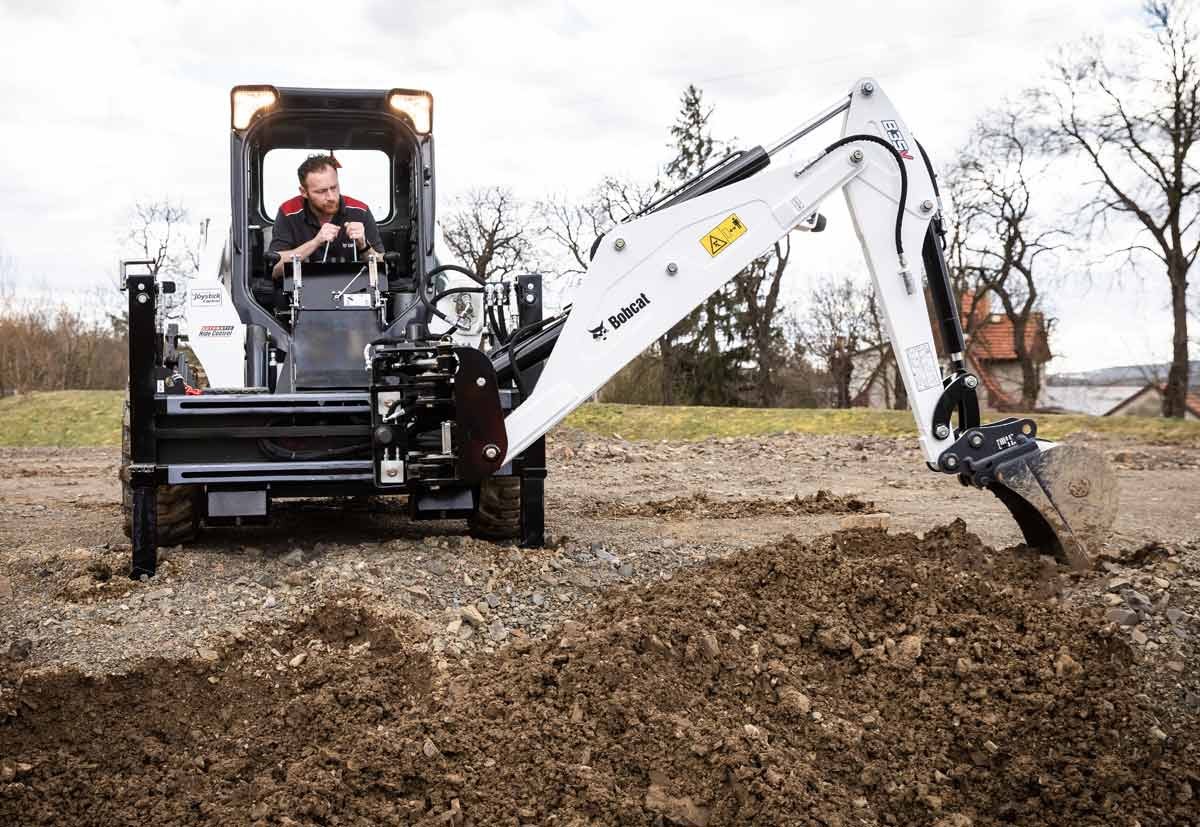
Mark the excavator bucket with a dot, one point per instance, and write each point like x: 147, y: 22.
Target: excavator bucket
x: 1063, y: 497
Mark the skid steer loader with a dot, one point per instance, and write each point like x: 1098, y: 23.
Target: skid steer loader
x: 398, y: 375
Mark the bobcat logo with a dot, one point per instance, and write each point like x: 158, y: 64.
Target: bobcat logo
x: 598, y: 332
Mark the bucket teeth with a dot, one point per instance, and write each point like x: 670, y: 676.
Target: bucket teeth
x: 1064, y: 498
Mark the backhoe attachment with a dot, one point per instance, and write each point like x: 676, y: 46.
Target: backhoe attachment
x: 653, y: 269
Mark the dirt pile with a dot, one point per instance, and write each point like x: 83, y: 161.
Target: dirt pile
x: 701, y: 505
x: 859, y: 679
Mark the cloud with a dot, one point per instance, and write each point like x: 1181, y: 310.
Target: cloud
x: 105, y: 104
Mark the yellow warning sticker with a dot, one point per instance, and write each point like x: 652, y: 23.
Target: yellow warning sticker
x: 722, y: 235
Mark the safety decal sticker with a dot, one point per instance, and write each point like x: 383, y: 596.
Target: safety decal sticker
x: 722, y: 235
x: 924, y: 367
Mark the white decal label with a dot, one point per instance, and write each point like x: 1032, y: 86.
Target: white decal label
x: 356, y: 300
x: 924, y: 367
x: 206, y: 297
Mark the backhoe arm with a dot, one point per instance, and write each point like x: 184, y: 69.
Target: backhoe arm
x: 652, y: 271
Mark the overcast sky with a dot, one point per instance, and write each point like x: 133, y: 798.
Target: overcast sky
x: 106, y: 104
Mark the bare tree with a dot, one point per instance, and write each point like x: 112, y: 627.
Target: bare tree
x: 160, y: 231
x: 490, y: 232
x: 875, y: 337
x: 1135, y: 119
x: 571, y: 228
x: 757, y: 288
x: 997, y: 243
x: 834, y: 329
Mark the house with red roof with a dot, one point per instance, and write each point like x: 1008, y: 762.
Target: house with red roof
x: 991, y: 355
x: 992, y: 351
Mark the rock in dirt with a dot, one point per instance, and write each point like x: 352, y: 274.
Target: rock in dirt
x: 681, y: 811
x: 880, y: 520
x: 908, y: 651
x: 1122, y: 617
x: 1066, y: 666
x: 418, y: 591
x: 295, y: 557
x: 794, y: 700
x: 296, y: 579
x: 834, y: 639
x: 6, y: 587
x: 209, y: 655
x: 473, y: 616
x: 498, y: 632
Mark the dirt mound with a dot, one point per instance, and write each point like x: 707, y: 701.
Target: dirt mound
x: 859, y: 679
x: 702, y: 505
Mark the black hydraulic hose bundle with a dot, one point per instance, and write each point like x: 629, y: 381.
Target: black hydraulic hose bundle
x: 520, y: 335
x: 875, y: 139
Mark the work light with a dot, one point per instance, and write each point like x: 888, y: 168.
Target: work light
x: 248, y: 101
x: 418, y: 106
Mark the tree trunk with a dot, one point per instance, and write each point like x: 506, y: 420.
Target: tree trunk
x: 1031, y: 385
x: 900, y: 402
x: 842, y: 370
x: 1175, y: 398
x: 665, y: 348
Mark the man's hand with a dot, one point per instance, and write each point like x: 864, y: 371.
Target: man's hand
x: 327, y: 233
x: 357, y: 233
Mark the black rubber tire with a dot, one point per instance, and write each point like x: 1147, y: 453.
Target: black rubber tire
x: 178, y: 505
x: 498, y: 516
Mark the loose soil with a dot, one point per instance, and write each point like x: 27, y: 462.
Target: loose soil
x: 701, y: 505
x: 661, y: 663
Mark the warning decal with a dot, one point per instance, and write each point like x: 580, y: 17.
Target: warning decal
x: 924, y: 367
x: 722, y: 235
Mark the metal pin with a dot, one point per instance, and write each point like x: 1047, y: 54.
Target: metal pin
x: 672, y: 269
x: 927, y: 206
x: 868, y: 88
x: 941, y: 432
x: 619, y: 244
x: 972, y: 381
x: 856, y: 156
x: 491, y: 452
x: 480, y: 381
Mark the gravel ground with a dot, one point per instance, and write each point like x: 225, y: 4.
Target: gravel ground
x: 623, y: 516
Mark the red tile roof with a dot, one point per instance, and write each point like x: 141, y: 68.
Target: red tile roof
x: 993, y: 338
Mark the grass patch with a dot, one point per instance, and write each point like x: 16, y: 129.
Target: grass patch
x: 70, y: 419
x: 62, y: 419
x: 650, y: 422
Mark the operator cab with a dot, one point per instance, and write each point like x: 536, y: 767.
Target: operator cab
x: 316, y: 326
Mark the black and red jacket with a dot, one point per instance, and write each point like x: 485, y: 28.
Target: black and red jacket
x: 295, y: 224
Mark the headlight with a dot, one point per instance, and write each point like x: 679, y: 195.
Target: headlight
x: 247, y: 101
x: 418, y: 106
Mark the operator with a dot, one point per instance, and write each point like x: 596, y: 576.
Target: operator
x: 322, y: 221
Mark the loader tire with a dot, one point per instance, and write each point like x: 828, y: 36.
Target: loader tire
x: 178, y: 505
x: 498, y: 516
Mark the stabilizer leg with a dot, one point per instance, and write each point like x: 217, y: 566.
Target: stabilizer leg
x: 144, y: 534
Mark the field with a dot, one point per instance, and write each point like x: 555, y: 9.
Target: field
x: 78, y: 418
x: 703, y: 643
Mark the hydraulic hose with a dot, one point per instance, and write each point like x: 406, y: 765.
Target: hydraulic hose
x: 875, y: 139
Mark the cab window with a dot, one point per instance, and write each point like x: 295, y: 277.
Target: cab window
x: 365, y: 175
